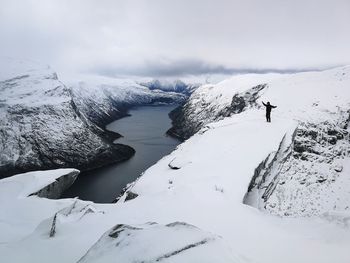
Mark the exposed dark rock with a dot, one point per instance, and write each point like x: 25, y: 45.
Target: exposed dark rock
x: 246, y: 99
x: 52, y: 133
x: 46, y: 125
x: 332, y: 139
x: 294, y: 180
x: 55, y: 189
x: 182, y: 128
x: 321, y: 180
x: 238, y: 104
x: 53, y: 226
x: 338, y: 168
x: 114, y: 233
x: 171, y: 166
x: 130, y: 195
x: 178, y: 251
x: 189, y: 118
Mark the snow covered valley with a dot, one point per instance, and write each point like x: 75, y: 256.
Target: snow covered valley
x: 237, y: 190
x: 145, y: 132
x: 45, y: 124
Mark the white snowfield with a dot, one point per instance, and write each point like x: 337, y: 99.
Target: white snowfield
x: 207, y: 191
x: 40, y: 84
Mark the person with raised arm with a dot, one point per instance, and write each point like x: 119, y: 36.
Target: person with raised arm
x: 268, y: 107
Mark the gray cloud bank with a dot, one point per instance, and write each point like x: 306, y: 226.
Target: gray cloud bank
x: 175, y: 38
x: 180, y: 68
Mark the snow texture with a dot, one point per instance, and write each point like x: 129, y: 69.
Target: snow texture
x: 147, y: 243
x: 208, y: 181
x: 45, y: 124
x: 177, y: 86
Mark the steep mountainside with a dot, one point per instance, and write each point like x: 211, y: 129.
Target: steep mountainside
x: 102, y: 103
x: 238, y: 190
x: 306, y: 175
x: 214, y: 102
x: 177, y: 86
x: 45, y: 124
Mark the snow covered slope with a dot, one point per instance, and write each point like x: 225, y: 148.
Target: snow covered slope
x: 45, y: 124
x: 308, y: 175
x: 40, y: 126
x: 183, y: 243
x: 213, y: 102
x: 177, y: 86
x: 102, y: 103
x: 208, y: 181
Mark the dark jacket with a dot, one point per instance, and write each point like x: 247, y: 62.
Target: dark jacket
x: 268, y: 107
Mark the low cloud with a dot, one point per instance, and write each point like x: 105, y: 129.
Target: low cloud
x: 182, y: 68
x: 168, y: 38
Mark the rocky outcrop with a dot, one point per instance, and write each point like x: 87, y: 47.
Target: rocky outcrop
x: 198, y: 111
x: 127, y: 194
x: 55, y: 189
x: 72, y: 213
x: 243, y: 101
x: 306, y: 176
x: 175, y: 241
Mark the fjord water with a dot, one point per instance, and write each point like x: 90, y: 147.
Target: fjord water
x: 145, y: 131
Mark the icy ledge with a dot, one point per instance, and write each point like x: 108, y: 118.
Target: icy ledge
x: 308, y: 175
x: 50, y: 184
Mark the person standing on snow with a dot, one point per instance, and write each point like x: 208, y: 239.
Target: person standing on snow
x: 268, y: 107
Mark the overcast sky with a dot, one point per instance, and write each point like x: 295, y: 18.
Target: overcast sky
x: 178, y: 37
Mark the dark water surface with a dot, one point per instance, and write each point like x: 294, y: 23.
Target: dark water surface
x: 145, y: 131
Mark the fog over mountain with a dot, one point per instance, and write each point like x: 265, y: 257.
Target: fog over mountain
x: 159, y: 38
x: 142, y: 131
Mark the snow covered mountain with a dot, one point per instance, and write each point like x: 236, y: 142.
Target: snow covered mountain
x: 103, y: 103
x: 307, y: 169
x: 213, y: 102
x: 177, y: 86
x: 245, y: 190
x: 45, y: 124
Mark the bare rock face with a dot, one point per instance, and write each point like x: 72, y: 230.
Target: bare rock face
x: 55, y: 189
x: 189, y: 118
x: 76, y: 211
x: 308, y: 175
x: 152, y: 242
x: 40, y: 128
x: 101, y: 104
x: 46, y: 125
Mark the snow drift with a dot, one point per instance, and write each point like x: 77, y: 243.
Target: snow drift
x: 292, y: 173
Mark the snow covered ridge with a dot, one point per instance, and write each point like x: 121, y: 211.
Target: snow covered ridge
x: 102, y: 103
x: 307, y: 175
x: 177, y: 86
x: 204, y: 182
x: 60, y: 226
x: 45, y: 124
x: 299, y: 95
x: 175, y: 241
x: 41, y: 128
x: 213, y: 102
